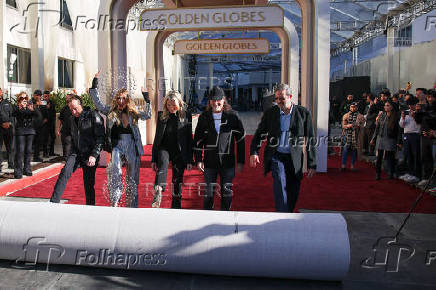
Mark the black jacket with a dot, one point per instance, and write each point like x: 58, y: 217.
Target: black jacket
x: 300, y: 128
x: 371, y: 113
x: 219, y: 149
x: 184, y: 137
x: 6, y: 111
x: 87, y: 134
x: 25, y: 120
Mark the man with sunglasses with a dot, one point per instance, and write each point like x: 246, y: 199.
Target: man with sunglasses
x: 288, y: 128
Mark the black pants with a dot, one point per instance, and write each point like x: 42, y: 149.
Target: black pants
x: 51, y: 138
x: 41, y: 136
x: 226, y: 183
x: 366, y: 140
x: 412, y: 149
x: 426, y: 157
x: 24, y: 153
x: 66, y: 144
x: 73, y: 162
x: 7, y: 136
x: 178, y: 166
x: 389, y: 156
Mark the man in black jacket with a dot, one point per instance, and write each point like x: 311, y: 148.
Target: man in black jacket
x: 6, y: 130
x: 50, y: 136
x: 218, y: 130
x: 287, y: 127
x: 87, y: 132
x: 371, y: 113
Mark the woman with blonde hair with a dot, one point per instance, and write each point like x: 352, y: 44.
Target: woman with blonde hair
x: 25, y: 115
x: 125, y: 141
x: 172, y: 142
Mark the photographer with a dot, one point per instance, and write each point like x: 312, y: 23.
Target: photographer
x: 50, y: 136
x: 411, y: 142
x: 40, y: 125
x: 6, y: 130
x: 25, y: 132
x: 426, y: 117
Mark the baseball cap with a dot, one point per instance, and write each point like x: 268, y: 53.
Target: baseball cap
x: 216, y: 93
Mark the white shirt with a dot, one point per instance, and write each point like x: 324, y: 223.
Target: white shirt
x: 217, y: 121
x: 409, y: 124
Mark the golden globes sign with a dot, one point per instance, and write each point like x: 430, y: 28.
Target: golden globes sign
x: 222, y: 46
x: 212, y: 18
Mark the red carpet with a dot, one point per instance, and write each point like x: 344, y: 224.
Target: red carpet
x: 335, y: 190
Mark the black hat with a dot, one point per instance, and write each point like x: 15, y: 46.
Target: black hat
x: 216, y: 93
x: 354, y: 104
x: 37, y: 93
x: 46, y: 92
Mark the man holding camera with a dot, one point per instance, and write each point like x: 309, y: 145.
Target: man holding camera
x: 411, y: 142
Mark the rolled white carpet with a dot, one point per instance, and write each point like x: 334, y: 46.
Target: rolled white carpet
x: 303, y: 246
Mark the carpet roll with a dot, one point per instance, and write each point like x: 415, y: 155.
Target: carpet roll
x: 302, y: 246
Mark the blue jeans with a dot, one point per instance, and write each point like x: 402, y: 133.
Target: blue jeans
x: 226, y: 179
x: 347, y: 150
x: 286, y: 183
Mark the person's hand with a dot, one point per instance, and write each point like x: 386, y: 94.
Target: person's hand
x: 44, y: 121
x: 154, y: 166
x: 6, y: 125
x: 91, y: 161
x: 239, y: 167
x: 310, y: 173
x: 48, y: 105
x: 400, y: 146
x: 30, y: 107
x: 189, y: 166
x: 143, y: 90
x: 403, y: 114
x: 97, y: 74
x: 200, y: 166
x: 372, y: 142
x: 58, y: 132
x: 254, y: 160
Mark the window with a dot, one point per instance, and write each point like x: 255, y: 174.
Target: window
x: 65, y: 20
x: 403, y: 37
x: 65, y: 73
x: 11, y: 3
x: 21, y: 70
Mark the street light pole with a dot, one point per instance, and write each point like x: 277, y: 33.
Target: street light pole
x: 12, y: 60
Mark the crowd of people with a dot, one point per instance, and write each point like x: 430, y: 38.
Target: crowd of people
x: 399, y: 129
x: 27, y: 128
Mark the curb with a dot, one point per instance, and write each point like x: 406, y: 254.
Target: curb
x: 12, y: 185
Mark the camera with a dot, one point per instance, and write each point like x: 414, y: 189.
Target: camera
x: 406, y: 112
x: 43, y: 103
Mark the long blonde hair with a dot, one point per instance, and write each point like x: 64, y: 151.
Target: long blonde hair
x: 176, y: 96
x: 115, y: 113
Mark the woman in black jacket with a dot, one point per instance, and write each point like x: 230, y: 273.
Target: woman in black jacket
x: 386, y: 138
x: 172, y: 142
x: 25, y: 116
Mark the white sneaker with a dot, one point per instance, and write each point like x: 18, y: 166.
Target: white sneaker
x: 404, y: 176
x: 412, y: 179
x: 423, y: 182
